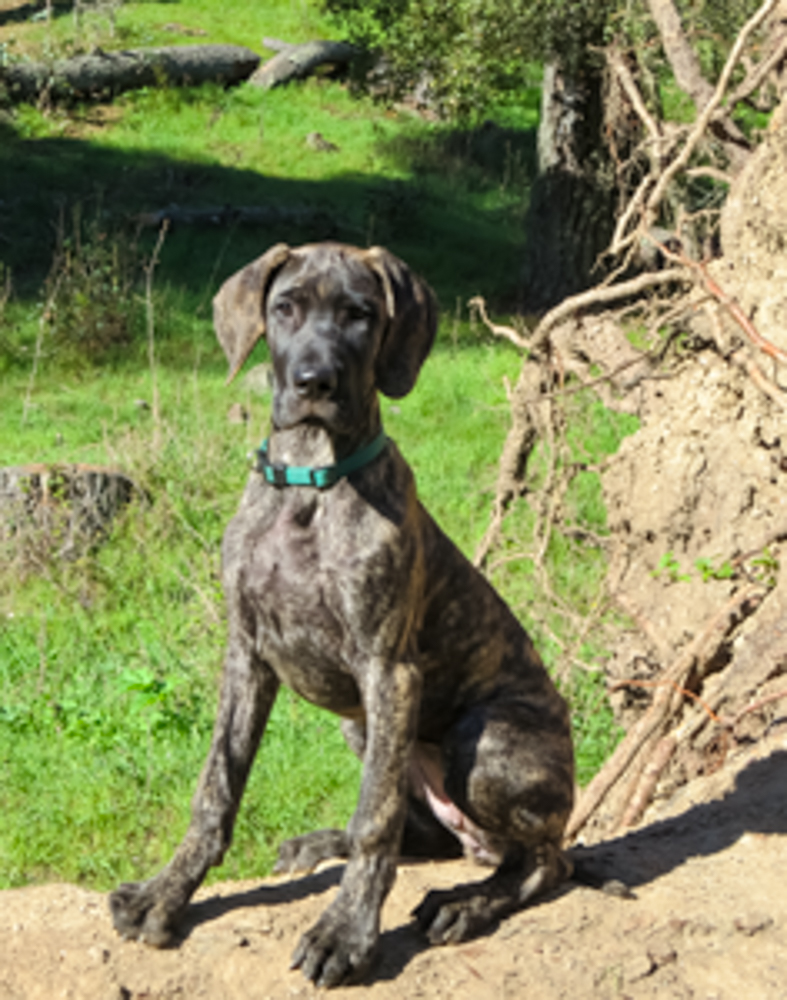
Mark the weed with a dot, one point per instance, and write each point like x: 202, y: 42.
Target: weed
x: 766, y: 568
x: 89, y: 310
x: 709, y: 571
x: 669, y: 566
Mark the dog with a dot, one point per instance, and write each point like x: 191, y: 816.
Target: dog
x: 340, y: 585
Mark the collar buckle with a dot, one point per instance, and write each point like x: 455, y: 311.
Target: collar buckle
x: 276, y: 473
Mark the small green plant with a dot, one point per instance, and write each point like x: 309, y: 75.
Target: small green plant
x: 709, y: 571
x: 669, y: 565
x: 765, y: 568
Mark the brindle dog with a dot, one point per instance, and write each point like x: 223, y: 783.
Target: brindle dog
x: 352, y: 596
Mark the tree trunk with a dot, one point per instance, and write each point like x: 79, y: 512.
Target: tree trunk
x: 572, y: 207
x: 103, y: 73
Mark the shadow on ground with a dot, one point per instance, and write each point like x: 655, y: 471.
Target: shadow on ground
x: 756, y: 804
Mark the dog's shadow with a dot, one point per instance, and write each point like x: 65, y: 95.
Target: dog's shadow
x: 756, y: 804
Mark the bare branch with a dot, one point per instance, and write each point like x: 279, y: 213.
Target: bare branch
x: 680, y: 55
x: 618, y: 65
x: 602, y: 294
x: 479, y: 304
x: 755, y: 79
x: 708, y: 111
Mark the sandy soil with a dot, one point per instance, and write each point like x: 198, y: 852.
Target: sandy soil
x: 708, y: 921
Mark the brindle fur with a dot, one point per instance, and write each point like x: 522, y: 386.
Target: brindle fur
x: 353, y: 597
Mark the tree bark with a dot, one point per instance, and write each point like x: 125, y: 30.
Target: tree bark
x: 573, y: 201
x: 109, y: 73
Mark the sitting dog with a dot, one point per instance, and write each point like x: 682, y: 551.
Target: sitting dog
x: 341, y: 586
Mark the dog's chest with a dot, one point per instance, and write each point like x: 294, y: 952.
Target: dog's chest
x: 297, y: 590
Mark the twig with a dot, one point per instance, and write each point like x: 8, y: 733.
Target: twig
x: 603, y: 294
x: 648, y: 779
x: 684, y: 692
x: 740, y: 317
x: 760, y: 379
x: 713, y: 172
x: 760, y: 703
x: 478, y: 303
x: 619, y: 239
x: 755, y: 79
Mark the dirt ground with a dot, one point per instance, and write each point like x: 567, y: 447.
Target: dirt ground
x: 709, y: 921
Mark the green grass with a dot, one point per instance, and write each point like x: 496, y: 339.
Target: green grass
x: 109, y: 665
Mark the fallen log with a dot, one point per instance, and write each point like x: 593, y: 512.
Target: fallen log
x: 103, y: 74
x: 296, y: 62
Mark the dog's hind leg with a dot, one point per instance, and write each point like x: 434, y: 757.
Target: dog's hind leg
x: 424, y: 835
x: 150, y: 910
x: 509, y: 771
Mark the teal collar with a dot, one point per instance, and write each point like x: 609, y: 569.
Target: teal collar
x: 321, y: 476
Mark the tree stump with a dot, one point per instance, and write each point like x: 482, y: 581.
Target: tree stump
x: 60, y: 510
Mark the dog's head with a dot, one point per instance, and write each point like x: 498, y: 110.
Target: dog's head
x: 341, y: 323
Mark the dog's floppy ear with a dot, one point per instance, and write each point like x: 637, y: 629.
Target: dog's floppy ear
x: 239, y: 306
x: 412, y: 323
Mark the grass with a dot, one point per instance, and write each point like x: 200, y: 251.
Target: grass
x: 109, y: 664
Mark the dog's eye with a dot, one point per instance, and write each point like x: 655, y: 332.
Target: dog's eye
x: 284, y: 308
x: 356, y: 314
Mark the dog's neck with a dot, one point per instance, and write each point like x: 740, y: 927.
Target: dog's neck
x: 313, y: 444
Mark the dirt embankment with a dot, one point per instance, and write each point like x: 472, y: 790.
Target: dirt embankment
x: 708, y: 921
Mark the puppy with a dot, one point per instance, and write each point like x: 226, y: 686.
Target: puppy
x: 341, y: 586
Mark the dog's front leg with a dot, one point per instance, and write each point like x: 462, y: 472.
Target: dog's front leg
x: 150, y: 910
x: 340, y: 946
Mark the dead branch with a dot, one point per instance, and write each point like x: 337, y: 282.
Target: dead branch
x: 665, y: 749
x: 649, y: 779
x: 602, y: 295
x: 296, y: 62
x: 760, y: 379
x: 680, y: 54
x: 712, y: 172
x: 703, y: 119
x: 754, y: 79
x: 479, y: 305
x: 518, y: 447
x: 531, y: 390
x: 666, y: 703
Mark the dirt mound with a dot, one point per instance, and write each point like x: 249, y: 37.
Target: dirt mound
x: 708, y: 920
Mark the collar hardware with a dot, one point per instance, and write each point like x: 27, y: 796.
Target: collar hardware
x: 321, y: 476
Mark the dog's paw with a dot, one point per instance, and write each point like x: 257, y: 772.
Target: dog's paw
x: 451, y: 916
x: 303, y: 854
x: 137, y: 913
x: 337, y: 950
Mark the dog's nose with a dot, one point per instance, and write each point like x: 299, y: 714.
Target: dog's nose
x: 314, y: 381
